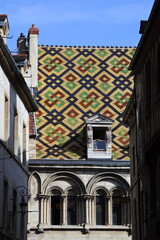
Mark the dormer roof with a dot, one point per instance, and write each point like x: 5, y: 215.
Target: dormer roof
x: 98, y: 118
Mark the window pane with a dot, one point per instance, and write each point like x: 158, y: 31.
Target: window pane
x: 71, y: 211
x: 116, y: 210
x: 99, y: 144
x: 99, y: 138
x: 55, y: 214
x: 100, y: 210
x: 99, y: 133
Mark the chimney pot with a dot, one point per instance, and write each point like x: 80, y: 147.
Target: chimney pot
x: 21, y: 44
x: 33, y: 30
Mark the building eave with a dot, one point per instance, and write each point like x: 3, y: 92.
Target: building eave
x: 140, y: 50
x: 54, y: 163
x: 15, y: 78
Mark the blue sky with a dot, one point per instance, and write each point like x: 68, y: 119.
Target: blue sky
x: 78, y: 22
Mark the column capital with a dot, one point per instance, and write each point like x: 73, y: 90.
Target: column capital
x: 88, y: 196
x: 63, y: 196
x: 42, y: 196
x: 108, y: 197
x: 126, y: 196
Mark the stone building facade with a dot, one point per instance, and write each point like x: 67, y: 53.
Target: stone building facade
x: 142, y: 116
x: 80, y: 176
x: 16, y: 102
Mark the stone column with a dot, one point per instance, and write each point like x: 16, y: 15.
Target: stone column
x: 45, y: 209
x: 90, y: 210
x: 64, y: 209
x: 86, y: 208
x: 124, y: 210
x: 109, y: 210
x: 42, y: 210
x: 87, y: 217
x: 93, y: 215
x: 48, y: 210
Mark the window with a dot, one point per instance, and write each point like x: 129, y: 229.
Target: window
x: 71, y: 208
x: 6, y: 119
x: 100, y: 208
x: 24, y: 145
x: 64, y: 208
x: 108, y: 208
x: 99, y: 139
x: 15, y: 133
x: 56, y: 207
x: 116, y: 208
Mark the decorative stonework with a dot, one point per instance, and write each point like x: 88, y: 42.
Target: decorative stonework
x: 100, y: 146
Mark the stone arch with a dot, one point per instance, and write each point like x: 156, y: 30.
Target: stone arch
x: 63, y: 175
x: 55, y: 188
x: 35, y: 175
x: 70, y: 189
x: 101, y: 188
x: 34, y: 188
x: 121, y: 182
x: 121, y: 190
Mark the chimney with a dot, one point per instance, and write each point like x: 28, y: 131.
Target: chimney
x: 33, y: 54
x: 21, y: 44
x: 142, y: 26
x: 4, y: 26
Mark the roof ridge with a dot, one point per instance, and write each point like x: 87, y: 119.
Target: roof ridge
x: 85, y: 47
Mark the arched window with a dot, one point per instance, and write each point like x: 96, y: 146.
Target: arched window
x: 56, y: 207
x: 116, y: 208
x: 101, y: 207
x: 72, y: 208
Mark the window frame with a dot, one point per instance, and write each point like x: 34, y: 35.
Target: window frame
x: 100, y: 139
x: 73, y: 208
x: 53, y: 218
x: 119, y: 215
x: 102, y: 194
x: 63, y: 219
x: 104, y: 124
x: 108, y: 208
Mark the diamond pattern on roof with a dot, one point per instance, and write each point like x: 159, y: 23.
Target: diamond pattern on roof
x: 75, y: 84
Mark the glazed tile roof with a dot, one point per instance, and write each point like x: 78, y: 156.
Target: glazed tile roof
x: 76, y: 83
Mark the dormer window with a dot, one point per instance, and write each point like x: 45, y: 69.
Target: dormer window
x: 99, y: 137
